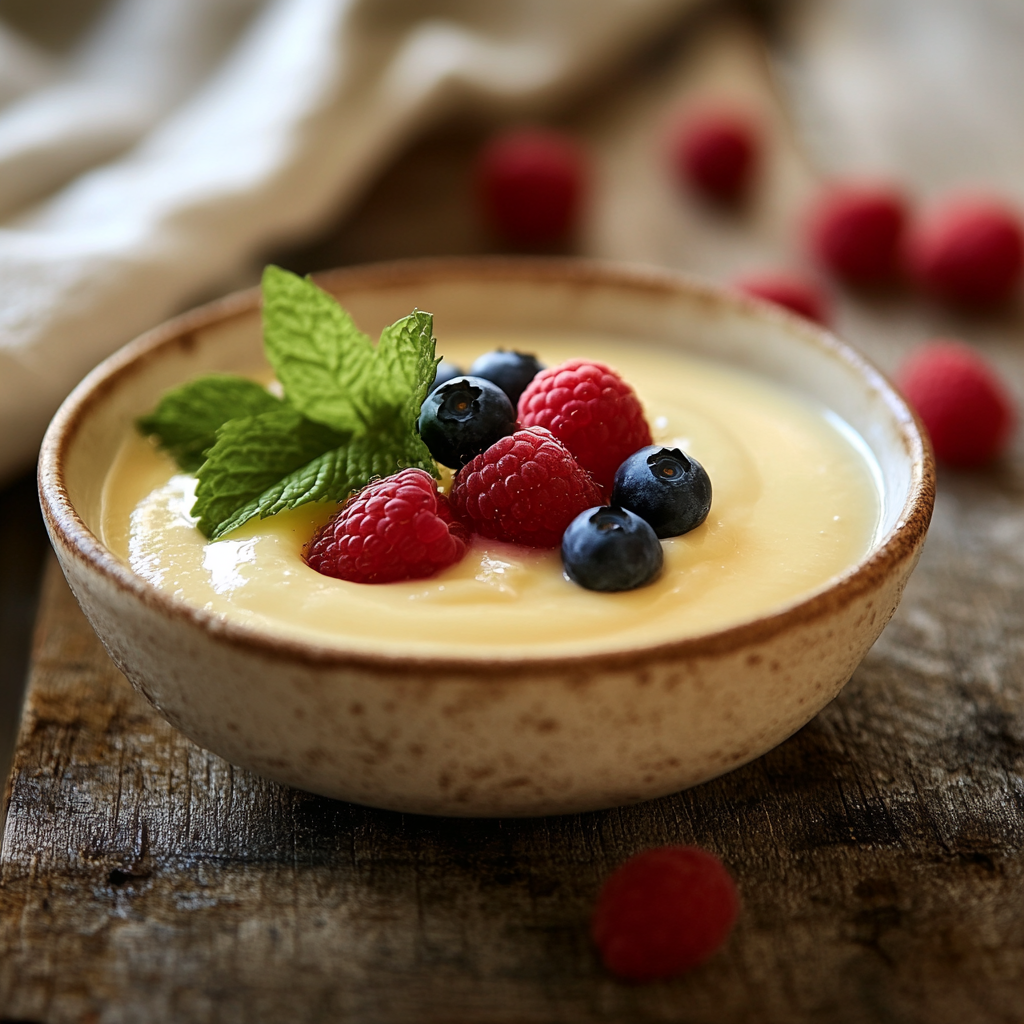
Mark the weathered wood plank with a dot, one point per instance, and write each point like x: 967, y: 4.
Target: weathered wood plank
x: 23, y: 547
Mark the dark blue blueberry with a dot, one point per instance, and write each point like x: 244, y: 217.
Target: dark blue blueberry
x: 610, y: 549
x: 445, y: 372
x: 511, y: 371
x: 463, y: 418
x: 667, y: 488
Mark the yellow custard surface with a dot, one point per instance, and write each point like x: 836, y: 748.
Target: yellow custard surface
x: 796, y: 501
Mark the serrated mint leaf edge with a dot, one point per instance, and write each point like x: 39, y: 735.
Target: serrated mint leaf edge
x: 185, y: 423
x: 322, y: 479
x: 406, y: 350
x: 283, y: 434
x: 319, y: 355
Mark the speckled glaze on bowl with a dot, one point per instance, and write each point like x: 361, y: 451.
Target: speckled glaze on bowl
x: 469, y: 736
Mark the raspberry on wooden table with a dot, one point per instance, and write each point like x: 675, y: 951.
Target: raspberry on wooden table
x: 966, y: 408
x: 530, y: 183
x: 663, y: 912
x: 968, y: 252
x: 799, y: 295
x: 856, y: 232
x: 716, y: 153
x: 525, y: 489
x: 592, y: 411
x: 399, y: 528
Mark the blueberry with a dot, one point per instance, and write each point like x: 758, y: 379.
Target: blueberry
x: 511, y: 371
x: 463, y: 418
x: 667, y: 488
x: 445, y: 372
x: 610, y: 549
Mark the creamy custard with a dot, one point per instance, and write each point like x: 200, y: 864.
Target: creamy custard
x: 797, y: 499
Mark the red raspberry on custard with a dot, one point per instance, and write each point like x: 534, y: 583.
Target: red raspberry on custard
x: 663, y: 912
x: 965, y: 407
x: 968, y: 252
x: 716, y: 153
x: 591, y: 410
x: 530, y: 184
x: 799, y: 295
x: 399, y: 528
x: 856, y: 232
x: 525, y: 489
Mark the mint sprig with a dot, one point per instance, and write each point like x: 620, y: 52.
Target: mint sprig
x: 249, y: 457
x: 187, y: 419
x: 348, y: 415
x: 332, y: 476
x: 323, y: 361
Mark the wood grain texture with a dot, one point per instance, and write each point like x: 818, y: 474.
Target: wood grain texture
x: 879, y: 852
x: 23, y: 546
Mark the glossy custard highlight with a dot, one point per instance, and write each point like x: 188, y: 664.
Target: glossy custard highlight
x: 796, y: 502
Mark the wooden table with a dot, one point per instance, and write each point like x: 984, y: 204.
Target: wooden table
x: 878, y: 851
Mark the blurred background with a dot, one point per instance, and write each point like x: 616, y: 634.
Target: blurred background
x: 156, y: 153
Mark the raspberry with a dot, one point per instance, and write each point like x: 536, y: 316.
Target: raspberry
x: 399, y: 528
x: 856, y: 231
x: 591, y: 410
x: 525, y: 489
x: 663, y: 912
x: 530, y: 184
x: 797, y: 294
x: 968, y: 252
x: 716, y: 153
x: 967, y: 411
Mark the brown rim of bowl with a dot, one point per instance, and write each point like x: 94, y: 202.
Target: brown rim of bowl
x: 65, y: 524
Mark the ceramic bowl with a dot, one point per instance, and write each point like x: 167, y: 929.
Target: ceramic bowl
x: 460, y: 735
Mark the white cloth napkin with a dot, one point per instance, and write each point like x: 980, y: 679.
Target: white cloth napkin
x: 184, y: 137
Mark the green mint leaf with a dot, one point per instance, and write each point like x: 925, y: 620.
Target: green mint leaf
x: 333, y: 476
x: 186, y: 421
x: 329, y: 369
x: 349, y: 413
x: 323, y: 361
x: 252, y: 454
x: 406, y: 367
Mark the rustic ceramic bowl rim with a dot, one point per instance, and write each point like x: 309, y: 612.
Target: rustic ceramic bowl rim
x: 885, y: 555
